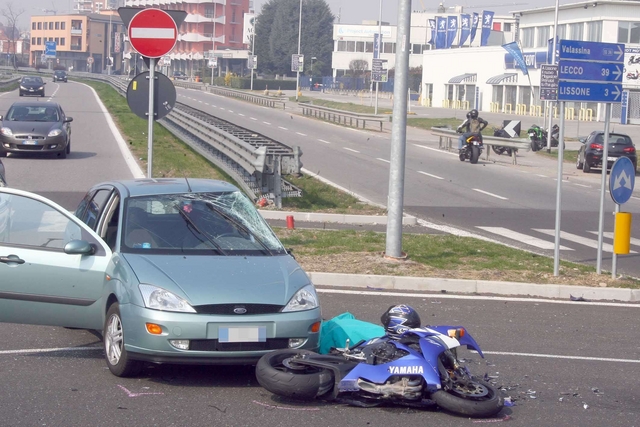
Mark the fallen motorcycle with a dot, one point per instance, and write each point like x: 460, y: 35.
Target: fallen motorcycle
x: 501, y: 133
x: 419, y: 368
x: 472, y: 149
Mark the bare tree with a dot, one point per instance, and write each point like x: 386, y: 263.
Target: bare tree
x: 358, y: 67
x: 11, y: 14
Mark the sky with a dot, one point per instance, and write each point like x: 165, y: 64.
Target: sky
x: 349, y: 11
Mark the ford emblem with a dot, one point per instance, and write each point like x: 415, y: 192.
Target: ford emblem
x: 239, y: 310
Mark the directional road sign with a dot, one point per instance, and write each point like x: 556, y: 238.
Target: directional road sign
x: 592, y: 51
x: 621, y: 180
x: 589, y: 91
x: 153, y: 32
x: 594, y: 71
x: 297, y: 63
x: 50, y: 49
x: 379, y: 71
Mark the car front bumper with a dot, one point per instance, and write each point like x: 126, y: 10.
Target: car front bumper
x: 20, y: 143
x: 34, y: 92
x: 204, y: 334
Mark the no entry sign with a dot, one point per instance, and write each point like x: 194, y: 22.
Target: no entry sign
x: 153, y: 32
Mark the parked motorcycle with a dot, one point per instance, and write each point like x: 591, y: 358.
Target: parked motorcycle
x: 472, y: 149
x: 418, y: 369
x: 501, y: 133
x: 538, y: 137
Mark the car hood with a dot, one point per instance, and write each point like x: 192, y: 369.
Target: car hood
x: 31, y: 128
x: 222, y: 279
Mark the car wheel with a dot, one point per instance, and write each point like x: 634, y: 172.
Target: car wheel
x: 42, y: 96
x: 68, y: 151
x: 115, y: 353
x: 3, y: 153
x: 578, y: 162
x: 585, y: 167
x: 21, y: 94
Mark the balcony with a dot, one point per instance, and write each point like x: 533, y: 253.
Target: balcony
x: 76, y: 31
x: 75, y: 47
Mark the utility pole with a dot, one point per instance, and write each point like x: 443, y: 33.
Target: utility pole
x: 299, y: 38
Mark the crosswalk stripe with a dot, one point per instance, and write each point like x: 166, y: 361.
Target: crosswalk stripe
x: 524, y: 238
x: 579, y: 239
x: 609, y: 235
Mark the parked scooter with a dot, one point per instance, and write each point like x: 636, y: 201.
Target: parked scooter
x: 538, y: 137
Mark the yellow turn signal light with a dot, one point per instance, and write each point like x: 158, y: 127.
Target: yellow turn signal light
x: 456, y: 333
x: 315, y: 327
x: 154, y: 329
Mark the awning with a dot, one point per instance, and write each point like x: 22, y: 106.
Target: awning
x: 464, y: 78
x: 503, y: 78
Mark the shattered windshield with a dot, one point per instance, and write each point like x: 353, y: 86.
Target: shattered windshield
x: 199, y: 223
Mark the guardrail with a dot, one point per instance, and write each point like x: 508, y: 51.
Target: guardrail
x: 447, y: 136
x: 341, y: 116
x: 266, y: 101
x: 254, y: 161
x: 10, y: 81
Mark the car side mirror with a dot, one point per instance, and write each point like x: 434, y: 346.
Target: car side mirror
x: 290, y: 252
x: 1, y: 117
x: 68, y: 119
x: 583, y: 140
x: 79, y: 247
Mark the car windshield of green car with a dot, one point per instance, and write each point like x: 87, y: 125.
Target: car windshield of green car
x: 197, y: 223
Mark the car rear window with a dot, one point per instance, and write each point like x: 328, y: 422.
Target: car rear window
x: 614, y: 138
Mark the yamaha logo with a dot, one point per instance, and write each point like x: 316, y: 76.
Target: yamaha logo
x: 239, y: 310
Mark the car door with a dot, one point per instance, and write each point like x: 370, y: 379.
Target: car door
x: 43, y: 281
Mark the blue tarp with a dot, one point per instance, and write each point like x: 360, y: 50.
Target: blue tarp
x: 334, y: 332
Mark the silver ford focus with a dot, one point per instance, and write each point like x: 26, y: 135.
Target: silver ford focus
x: 170, y: 270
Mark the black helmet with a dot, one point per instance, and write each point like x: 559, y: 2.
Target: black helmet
x: 473, y: 114
x: 400, y: 318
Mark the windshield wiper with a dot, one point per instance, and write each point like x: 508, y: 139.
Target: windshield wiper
x: 190, y: 222
x: 238, y: 225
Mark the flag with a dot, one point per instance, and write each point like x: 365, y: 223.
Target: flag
x: 432, y: 25
x: 487, y: 25
x: 515, y: 51
x: 452, y: 30
x: 465, y: 28
x: 441, y: 32
x: 474, y: 26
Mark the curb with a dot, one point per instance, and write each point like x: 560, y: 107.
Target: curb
x: 340, y: 218
x: 472, y: 287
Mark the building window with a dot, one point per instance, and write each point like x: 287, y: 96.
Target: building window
x: 62, y: 25
x: 61, y: 41
x: 416, y: 49
x: 33, y: 40
x: 527, y: 37
x: 351, y: 46
x: 628, y: 32
x: 51, y: 25
x: 562, y: 31
x: 576, y: 31
x: 57, y: 40
x: 544, y: 34
x: 368, y: 47
x: 57, y: 25
x: 594, y: 31
x: 39, y: 41
x: 233, y: 14
x: 39, y: 25
x: 507, y: 27
x: 389, y: 48
x: 33, y: 25
x: 233, y: 34
x: 634, y: 32
x: 359, y: 46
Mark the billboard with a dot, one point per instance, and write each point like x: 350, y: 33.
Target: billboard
x: 248, y: 28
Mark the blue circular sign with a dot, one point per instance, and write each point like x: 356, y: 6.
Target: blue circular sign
x: 621, y: 180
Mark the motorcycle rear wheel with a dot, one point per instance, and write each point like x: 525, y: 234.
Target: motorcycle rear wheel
x: 477, y: 399
x: 277, y: 372
x: 475, y: 154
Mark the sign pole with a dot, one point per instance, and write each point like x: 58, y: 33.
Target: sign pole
x: 556, y: 248
x: 603, y: 184
x: 152, y: 76
x: 614, y: 258
x: 299, y: 39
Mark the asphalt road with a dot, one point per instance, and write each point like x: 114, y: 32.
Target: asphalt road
x: 552, y: 359
x: 514, y: 204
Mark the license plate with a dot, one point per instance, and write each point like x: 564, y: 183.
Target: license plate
x: 243, y: 334
x: 612, y: 159
x: 29, y: 142
x: 30, y: 90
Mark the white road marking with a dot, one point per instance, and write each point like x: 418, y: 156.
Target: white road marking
x: 301, y: 134
x: 48, y: 350
x: 582, y: 185
x: 564, y: 180
x: 432, y: 176
x: 266, y: 123
x: 559, y: 356
x: 253, y: 118
x: 490, y: 194
x: 542, y: 176
x: 231, y: 111
x: 578, y: 239
x: 240, y: 114
x: 436, y: 150
x: 355, y: 151
x: 326, y: 142
x: 609, y: 235
x: 634, y: 197
x: 524, y: 238
x: 383, y: 160
x: 283, y: 128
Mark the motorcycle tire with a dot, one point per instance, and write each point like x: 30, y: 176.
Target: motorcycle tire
x: 534, y: 145
x: 467, y: 405
x: 305, y: 383
x: 462, y: 156
x: 498, y: 150
x: 475, y: 154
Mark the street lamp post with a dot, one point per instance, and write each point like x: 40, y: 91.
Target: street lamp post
x: 299, y: 38
x: 253, y: 49
x: 109, y: 44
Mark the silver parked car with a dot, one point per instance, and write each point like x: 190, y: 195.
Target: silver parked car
x: 171, y: 270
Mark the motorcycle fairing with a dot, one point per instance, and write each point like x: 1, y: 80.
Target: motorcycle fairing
x: 466, y: 340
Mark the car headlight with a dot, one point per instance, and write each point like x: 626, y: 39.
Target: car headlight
x: 41, y: 87
x: 160, y: 299
x: 305, y: 299
x: 6, y: 131
x: 55, y: 132
x: 22, y: 87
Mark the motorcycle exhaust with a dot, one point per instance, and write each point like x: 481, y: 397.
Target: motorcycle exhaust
x: 406, y: 388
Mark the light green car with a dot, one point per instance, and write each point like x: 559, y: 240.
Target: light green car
x: 170, y: 270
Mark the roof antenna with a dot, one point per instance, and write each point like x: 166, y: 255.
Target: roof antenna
x: 187, y: 181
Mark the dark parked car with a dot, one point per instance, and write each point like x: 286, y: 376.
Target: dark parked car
x: 60, y: 76
x: 179, y: 75
x: 591, y: 152
x: 35, y: 127
x: 30, y: 85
